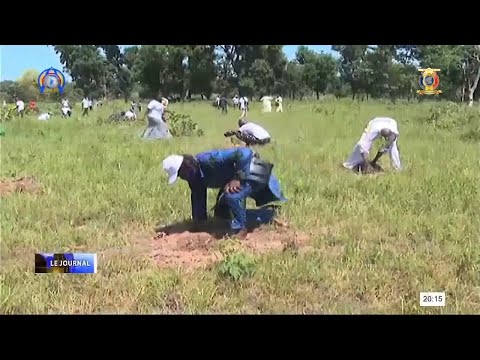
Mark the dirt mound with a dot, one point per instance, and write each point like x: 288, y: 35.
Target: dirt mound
x: 199, y: 249
x: 373, y: 169
x: 24, y: 184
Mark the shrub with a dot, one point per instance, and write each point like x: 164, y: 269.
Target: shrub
x: 452, y: 115
x: 183, y: 125
x: 7, y: 113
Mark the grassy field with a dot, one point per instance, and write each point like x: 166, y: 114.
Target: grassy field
x: 377, y: 240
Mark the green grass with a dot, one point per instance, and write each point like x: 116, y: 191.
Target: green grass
x: 379, y: 240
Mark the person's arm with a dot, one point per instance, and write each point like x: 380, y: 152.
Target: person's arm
x: 386, y: 148
x: 198, y: 199
x: 230, y: 133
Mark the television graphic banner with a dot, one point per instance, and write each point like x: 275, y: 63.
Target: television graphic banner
x: 68, y: 263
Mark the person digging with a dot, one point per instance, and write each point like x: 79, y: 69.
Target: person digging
x: 236, y: 172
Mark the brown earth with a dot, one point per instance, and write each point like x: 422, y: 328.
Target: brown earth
x: 182, y: 248
x: 22, y: 185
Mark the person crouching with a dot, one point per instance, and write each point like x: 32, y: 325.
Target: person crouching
x: 236, y: 172
x: 250, y: 133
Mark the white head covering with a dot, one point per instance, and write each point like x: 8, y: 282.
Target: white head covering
x: 171, y: 165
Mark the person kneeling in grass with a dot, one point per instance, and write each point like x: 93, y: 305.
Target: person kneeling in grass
x: 236, y: 172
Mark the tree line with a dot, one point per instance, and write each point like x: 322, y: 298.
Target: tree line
x: 186, y: 71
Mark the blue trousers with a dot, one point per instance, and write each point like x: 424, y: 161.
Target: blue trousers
x: 237, y: 204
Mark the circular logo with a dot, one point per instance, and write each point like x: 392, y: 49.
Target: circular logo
x: 51, y: 81
x: 429, y: 80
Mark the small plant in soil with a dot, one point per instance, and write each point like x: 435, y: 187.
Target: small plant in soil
x: 236, y: 264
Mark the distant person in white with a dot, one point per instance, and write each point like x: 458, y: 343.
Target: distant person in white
x: 45, y: 116
x: 235, y: 101
x: 250, y: 133
x: 246, y: 102
x: 130, y: 115
x: 90, y: 104
x: 157, y: 127
x: 267, y: 103
x: 20, y: 107
x: 217, y: 101
x: 4, y: 103
x: 378, y: 127
x: 66, y: 112
x: 85, y: 106
x: 279, y: 103
x: 243, y: 107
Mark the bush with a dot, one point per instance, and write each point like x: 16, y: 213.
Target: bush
x: 452, y: 115
x: 183, y: 125
x: 7, y: 113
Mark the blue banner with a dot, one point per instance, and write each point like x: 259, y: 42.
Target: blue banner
x: 66, y: 263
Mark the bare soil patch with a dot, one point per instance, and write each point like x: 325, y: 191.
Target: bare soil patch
x: 186, y: 249
x: 22, y: 185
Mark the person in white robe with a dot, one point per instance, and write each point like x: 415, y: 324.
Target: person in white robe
x: 157, y: 127
x: 267, y: 103
x: 378, y: 127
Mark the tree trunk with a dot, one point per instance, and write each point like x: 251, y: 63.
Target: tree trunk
x: 318, y: 94
x: 473, y: 87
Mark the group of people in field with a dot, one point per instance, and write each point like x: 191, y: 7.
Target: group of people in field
x: 241, y: 102
x: 239, y: 172
x: 87, y: 105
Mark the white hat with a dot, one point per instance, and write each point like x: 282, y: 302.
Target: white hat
x: 171, y: 165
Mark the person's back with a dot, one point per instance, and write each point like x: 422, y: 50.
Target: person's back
x: 155, y: 110
x: 373, y: 129
x: 255, y: 130
x: 379, y: 123
x: 44, y: 117
x: 157, y: 127
x: 85, y: 103
x: 218, y: 165
x: 20, y: 105
x: 130, y: 115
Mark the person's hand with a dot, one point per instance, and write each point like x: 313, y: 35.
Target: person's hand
x: 233, y: 186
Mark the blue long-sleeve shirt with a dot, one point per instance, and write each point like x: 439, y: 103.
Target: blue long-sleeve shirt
x: 217, y: 168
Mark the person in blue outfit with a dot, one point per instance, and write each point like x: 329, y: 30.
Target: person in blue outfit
x: 237, y: 172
